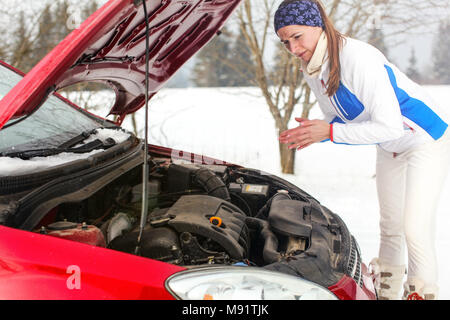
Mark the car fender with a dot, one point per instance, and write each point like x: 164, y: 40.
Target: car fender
x: 38, y: 266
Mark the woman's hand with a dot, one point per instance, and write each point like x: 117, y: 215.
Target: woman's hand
x: 307, y: 133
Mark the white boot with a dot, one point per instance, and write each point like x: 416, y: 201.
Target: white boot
x: 388, y: 279
x: 416, y: 289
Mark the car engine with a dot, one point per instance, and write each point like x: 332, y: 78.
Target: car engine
x: 197, y: 229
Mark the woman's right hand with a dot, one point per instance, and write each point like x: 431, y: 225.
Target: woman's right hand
x: 307, y: 133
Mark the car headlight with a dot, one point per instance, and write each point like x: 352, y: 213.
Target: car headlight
x: 243, y: 283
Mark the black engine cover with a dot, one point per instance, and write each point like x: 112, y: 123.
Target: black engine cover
x: 184, y: 233
x: 193, y: 213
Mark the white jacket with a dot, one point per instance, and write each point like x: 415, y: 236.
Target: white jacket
x: 376, y: 103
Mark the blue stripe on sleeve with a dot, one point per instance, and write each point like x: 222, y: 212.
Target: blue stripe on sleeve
x: 417, y: 111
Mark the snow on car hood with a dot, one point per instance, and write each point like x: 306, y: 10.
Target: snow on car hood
x: 109, y: 47
x: 17, y: 166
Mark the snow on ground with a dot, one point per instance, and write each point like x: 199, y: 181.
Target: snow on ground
x: 234, y: 124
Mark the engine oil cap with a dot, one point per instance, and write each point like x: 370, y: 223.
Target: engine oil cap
x: 62, y: 225
x: 216, y: 221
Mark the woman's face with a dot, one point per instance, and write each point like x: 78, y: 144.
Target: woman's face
x: 301, y: 41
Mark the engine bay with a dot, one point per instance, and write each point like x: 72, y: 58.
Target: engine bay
x: 203, y: 214
x: 198, y: 214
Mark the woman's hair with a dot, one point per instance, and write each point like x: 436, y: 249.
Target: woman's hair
x: 335, y: 42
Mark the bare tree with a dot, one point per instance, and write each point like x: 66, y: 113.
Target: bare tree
x: 254, y: 24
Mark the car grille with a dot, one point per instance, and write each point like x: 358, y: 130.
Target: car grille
x: 354, y: 263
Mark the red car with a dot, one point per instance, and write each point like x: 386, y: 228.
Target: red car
x: 71, y: 185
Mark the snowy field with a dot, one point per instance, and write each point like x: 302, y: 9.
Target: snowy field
x: 234, y: 124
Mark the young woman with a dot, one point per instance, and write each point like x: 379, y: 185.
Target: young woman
x: 365, y: 100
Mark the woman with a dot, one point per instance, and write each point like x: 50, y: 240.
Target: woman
x: 366, y: 100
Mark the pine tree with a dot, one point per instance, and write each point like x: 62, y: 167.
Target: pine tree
x: 376, y: 39
x: 45, y: 39
x: 53, y: 27
x: 441, y: 54
x: 30, y: 42
x: 211, y: 69
x: 412, y: 71
x: 241, y: 63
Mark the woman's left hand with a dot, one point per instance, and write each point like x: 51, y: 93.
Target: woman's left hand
x: 307, y: 133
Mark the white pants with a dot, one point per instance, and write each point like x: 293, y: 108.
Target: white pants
x: 409, y: 186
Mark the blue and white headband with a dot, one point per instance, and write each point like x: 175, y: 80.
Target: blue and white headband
x: 301, y: 12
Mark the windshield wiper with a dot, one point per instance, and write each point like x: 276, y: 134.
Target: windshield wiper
x: 65, y: 147
x: 77, y: 139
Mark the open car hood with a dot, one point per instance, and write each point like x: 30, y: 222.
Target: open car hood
x: 109, y: 47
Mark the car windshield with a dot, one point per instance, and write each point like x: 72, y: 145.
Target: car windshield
x: 52, y: 124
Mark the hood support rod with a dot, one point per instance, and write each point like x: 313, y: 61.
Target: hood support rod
x: 145, y: 169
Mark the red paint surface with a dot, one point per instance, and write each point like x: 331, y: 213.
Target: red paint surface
x: 348, y: 289
x: 35, y: 266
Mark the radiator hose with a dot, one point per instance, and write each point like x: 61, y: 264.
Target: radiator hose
x: 212, y: 184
